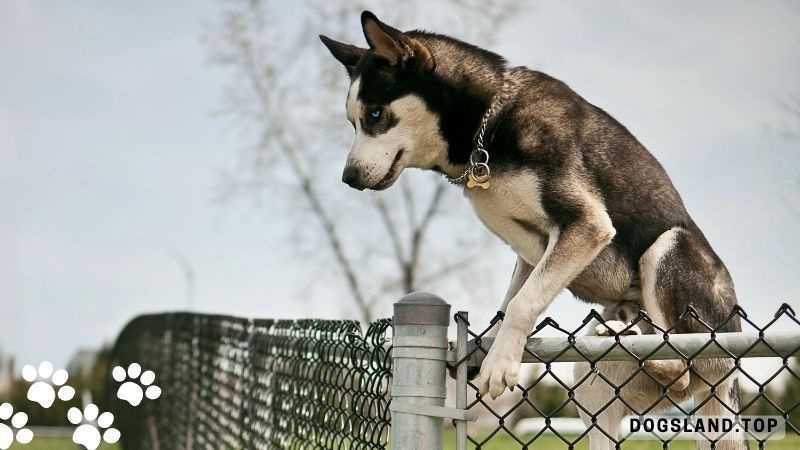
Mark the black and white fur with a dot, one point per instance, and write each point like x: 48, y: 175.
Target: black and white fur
x: 583, y: 204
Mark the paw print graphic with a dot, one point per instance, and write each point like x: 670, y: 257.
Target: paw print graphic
x: 45, y: 382
x: 16, y: 430
x: 132, y: 391
x: 90, y: 423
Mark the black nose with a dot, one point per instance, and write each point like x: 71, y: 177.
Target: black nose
x: 350, y: 176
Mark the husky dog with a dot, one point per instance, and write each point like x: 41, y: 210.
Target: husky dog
x: 583, y: 204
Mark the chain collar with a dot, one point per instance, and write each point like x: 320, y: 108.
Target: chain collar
x: 478, y: 172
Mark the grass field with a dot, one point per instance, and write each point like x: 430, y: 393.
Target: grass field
x: 55, y: 444
x: 504, y: 442
x: 499, y: 442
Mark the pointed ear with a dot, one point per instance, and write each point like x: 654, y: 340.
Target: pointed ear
x: 394, y: 46
x: 347, y: 54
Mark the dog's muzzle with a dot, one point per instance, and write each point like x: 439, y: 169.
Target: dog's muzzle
x: 352, y: 177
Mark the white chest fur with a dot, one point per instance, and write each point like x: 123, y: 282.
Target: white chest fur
x: 512, y: 209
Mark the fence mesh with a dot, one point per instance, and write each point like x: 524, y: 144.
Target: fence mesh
x: 603, y: 392
x: 232, y: 383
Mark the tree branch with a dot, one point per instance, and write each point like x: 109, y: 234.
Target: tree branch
x: 409, y: 202
x: 271, y: 65
x: 307, y: 188
x: 418, y: 233
x: 448, y: 269
x: 391, y: 228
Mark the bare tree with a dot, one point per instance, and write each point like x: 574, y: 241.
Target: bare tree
x: 288, y: 93
x: 791, y: 131
x: 790, y: 128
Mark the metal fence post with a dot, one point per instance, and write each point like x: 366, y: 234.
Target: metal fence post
x: 419, y: 351
x: 462, y: 338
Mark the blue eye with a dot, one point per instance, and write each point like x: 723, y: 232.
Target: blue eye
x: 376, y: 113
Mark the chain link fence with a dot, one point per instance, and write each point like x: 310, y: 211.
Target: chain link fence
x: 617, y: 377
x: 232, y: 383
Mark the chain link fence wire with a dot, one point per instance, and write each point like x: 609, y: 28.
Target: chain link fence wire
x: 555, y: 399
x: 233, y: 383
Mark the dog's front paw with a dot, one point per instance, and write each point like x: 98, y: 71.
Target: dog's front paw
x: 611, y: 327
x: 500, y: 369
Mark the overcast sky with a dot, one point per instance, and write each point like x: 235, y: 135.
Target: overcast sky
x: 109, y: 151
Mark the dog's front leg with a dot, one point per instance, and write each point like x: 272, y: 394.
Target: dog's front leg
x: 568, y: 252
x: 522, y: 270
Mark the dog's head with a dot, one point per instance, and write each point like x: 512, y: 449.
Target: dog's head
x: 388, y: 104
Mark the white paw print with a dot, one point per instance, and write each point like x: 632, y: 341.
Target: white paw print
x: 18, y: 422
x: 45, y: 382
x: 131, y: 391
x: 89, y: 425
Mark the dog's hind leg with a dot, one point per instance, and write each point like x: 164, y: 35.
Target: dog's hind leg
x: 718, y: 396
x: 655, y: 299
x: 615, y: 390
x: 601, y: 411
x: 680, y: 270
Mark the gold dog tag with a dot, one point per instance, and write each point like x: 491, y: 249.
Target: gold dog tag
x: 472, y: 182
x: 479, y: 175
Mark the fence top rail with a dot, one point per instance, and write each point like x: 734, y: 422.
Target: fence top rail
x: 781, y: 344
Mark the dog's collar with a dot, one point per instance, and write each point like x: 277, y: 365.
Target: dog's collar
x: 478, y: 172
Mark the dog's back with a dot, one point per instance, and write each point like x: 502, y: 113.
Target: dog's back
x: 584, y: 205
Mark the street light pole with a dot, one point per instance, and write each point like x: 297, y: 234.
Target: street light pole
x: 188, y: 276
